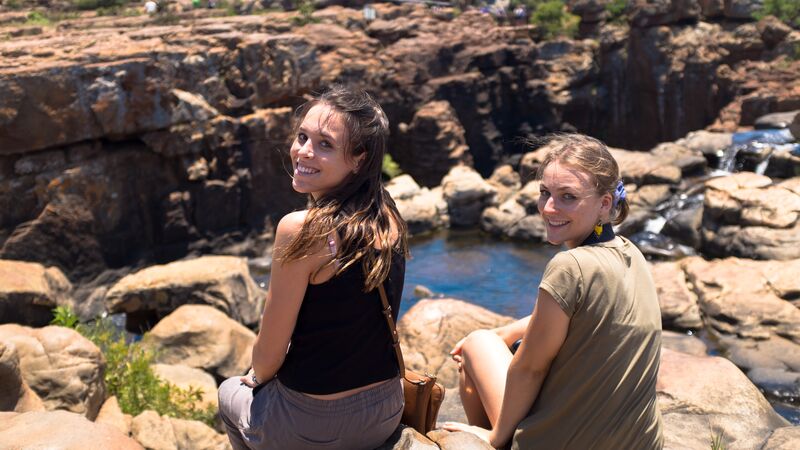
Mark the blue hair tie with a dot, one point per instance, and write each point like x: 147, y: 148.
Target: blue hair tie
x: 619, y: 193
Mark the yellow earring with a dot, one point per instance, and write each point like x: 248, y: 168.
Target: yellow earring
x: 598, y: 229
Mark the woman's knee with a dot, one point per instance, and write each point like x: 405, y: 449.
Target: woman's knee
x: 225, y: 394
x: 479, y: 341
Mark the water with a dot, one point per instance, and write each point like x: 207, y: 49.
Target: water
x: 499, y: 275
x: 756, y: 142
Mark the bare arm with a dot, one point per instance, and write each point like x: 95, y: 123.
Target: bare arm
x: 543, y: 338
x: 287, y: 287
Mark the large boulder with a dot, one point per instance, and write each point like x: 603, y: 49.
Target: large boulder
x: 467, y: 195
x: 186, y: 378
x: 111, y: 414
x: 678, y: 303
x: 201, y: 336
x: 60, y: 430
x: 704, y: 396
x: 223, y: 282
x: 432, y: 143
x: 423, y: 209
x: 16, y: 395
x: 29, y: 292
x: 747, y: 215
x: 62, y: 367
x: 430, y: 329
x: 167, y: 433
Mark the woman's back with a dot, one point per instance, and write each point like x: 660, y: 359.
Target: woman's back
x: 600, y: 389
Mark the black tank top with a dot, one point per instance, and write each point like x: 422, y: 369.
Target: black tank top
x: 341, y: 340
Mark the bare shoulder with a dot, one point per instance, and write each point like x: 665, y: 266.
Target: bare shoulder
x: 291, y: 224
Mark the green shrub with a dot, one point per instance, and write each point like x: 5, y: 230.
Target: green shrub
x: 616, y: 10
x: 96, y: 4
x: 785, y: 10
x: 390, y: 168
x: 552, y: 16
x: 305, y: 8
x: 130, y: 377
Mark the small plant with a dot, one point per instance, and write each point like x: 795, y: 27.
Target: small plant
x: 305, y: 9
x: 716, y: 440
x: 616, y: 11
x: 97, y: 4
x: 555, y: 20
x: 785, y: 10
x: 130, y: 377
x: 390, y: 168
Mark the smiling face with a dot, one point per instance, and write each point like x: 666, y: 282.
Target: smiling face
x: 570, y: 205
x: 319, y: 152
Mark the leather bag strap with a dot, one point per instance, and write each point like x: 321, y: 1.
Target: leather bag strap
x: 387, y: 314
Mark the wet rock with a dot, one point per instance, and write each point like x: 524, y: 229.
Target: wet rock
x: 746, y: 215
x: 776, y: 120
x: 167, y: 433
x: 60, y: 430
x: 430, y: 329
x: 710, y: 144
x: 223, y: 282
x: 201, y: 336
x: 659, y: 246
x: 29, y: 292
x: 678, y: 303
x: 16, y: 395
x: 466, y: 194
x: 746, y: 306
x: 776, y: 383
x: 651, y: 13
x: 683, y: 343
x: 773, y: 364
x: 702, y: 396
x: 685, y: 226
x: 186, y: 378
x: 64, y: 368
x: 432, y: 143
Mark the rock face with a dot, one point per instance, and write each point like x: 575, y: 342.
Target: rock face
x: 703, y: 396
x: 60, y: 430
x: 201, y: 336
x: 29, y: 292
x: 747, y: 215
x: 678, y: 303
x: 432, y: 327
x: 223, y: 282
x: 60, y: 366
x: 432, y: 143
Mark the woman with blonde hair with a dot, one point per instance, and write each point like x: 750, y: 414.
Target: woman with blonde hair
x: 584, y: 374
x: 324, y: 370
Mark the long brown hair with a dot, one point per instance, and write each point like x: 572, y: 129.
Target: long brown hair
x: 359, y: 210
x: 592, y: 157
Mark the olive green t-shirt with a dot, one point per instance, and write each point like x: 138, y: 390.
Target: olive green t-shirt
x: 600, y: 391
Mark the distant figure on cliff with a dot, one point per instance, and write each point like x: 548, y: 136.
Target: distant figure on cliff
x: 584, y: 374
x: 324, y: 369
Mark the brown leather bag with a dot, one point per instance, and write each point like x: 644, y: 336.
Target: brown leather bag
x: 423, y: 395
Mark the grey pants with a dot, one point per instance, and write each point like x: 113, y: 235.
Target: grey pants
x: 280, y: 418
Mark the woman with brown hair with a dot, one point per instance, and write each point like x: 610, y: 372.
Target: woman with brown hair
x: 584, y: 375
x: 324, y: 369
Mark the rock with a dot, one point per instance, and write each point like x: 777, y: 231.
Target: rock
x: 60, y: 430
x: 186, y: 377
x: 402, y: 187
x: 407, y: 438
x: 500, y: 220
x: 642, y: 168
x: 432, y: 327
x: 466, y: 194
x: 776, y: 383
x: 794, y: 127
x: 223, y: 282
x: 703, y: 396
x: 742, y: 212
x: 153, y: 431
x: 528, y: 197
x: 651, y: 13
x: 773, y: 31
x: 459, y: 440
x: 683, y: 343
x: 685, y: 226
x: 678, y: 303
x: 712, y: 8
x: 191, y: 434
x: 61, y: 366
x: 425, y: 211
x: 708, y: 143
x: 744, y: 305
x: 29, y: 292
x: 785, y: 438
x: 16, y: 395
x: 507, y: 182
x: 201, y: 336
x: 773, y: 364
x: 432, y: 143
x: 421, y: 291
x: 111, y: 414
x: 741, y: 9
x: 651, y: 195
x: 776, y: 120
x: 690, y: 161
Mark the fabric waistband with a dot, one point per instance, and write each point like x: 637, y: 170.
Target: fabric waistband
x: 356, y: 402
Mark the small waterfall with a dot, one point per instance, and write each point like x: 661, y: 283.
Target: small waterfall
x: 761, y: 168
x: 756, y: 142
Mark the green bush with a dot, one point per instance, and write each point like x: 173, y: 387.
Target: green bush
x: 552, y: 16
x: 130, y: 377
x: 616, y: 10
x: 97, y: 4
x: 390, y: 168
x: 785, y: 10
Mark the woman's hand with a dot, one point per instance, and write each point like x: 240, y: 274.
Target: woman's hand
x: 482, y: 433
x: 250, y: 379
x: 455, y: 353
